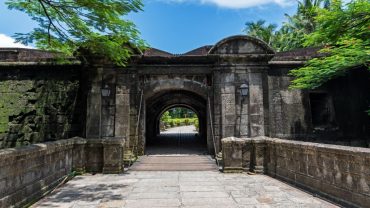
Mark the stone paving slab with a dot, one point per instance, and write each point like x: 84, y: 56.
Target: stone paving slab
x: 181, y: 189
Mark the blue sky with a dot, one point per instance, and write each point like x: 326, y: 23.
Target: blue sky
x: 178, y: 26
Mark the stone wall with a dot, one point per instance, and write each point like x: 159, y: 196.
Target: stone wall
x: 350, y: 99
x: 28, y: 172
x: 292, y: 113
x: 339, y: 173
x: 288, y: 109
x: 40, y: 103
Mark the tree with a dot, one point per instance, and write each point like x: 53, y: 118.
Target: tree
x: 91, y: 25
x: 166, y: 117
x: 343, y: 31
x: 291, y: 34
x: 259, y: 30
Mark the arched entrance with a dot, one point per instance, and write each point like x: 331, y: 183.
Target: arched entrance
x: 159, y: 103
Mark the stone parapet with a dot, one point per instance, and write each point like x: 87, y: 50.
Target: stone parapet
x: 244, y: 154
x: 27, y: 173
x: 79, y: 156
x: 339, y: 173
x: 113, y: 155
x: 232, y: 153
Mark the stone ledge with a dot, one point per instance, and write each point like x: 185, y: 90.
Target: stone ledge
x: 305, y: 164
x: 114, y: 141
x: 26, y: 173
x: 9, y: 155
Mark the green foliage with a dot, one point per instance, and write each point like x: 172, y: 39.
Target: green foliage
x: 179, y: 117
x: 70, y: 27
x: 178, y: 122
x: 166, y: 116
x: 196, y: 124
x: 180, y: 112
x: 172, y: 123
x: 259, y: 30
x: 344, y: 31
x: 291, y: 34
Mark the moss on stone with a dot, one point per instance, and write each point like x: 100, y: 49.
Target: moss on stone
x: 36, y: 108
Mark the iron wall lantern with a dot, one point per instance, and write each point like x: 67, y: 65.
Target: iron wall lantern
x: 244, y: 90
x: 105, y: 91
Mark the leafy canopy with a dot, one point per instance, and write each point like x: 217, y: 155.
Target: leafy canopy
x: 292, y: 32
x: 344, y: 31
x: 260, y: 30
x: 96, y: 26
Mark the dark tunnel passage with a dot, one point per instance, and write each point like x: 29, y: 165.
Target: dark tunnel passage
x: 175, y: 142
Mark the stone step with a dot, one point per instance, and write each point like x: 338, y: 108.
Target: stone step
x: 175, y: 163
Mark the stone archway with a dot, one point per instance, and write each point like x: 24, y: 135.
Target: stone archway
x: 158, y: 103
x: 215, y: 76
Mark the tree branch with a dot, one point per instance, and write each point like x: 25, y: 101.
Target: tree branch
x: 50, y: 21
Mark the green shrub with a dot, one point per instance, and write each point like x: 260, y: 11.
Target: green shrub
x: 172, y: 123
x: 166, y: 116
x: 178, y: 122
x: 196, y: 124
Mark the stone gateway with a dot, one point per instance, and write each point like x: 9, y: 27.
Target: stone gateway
x: 97, y: 117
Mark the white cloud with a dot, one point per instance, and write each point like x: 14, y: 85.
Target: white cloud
x: 235, y: 4
x: 9, y: 42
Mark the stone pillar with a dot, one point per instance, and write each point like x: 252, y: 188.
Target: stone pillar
x: 242, y: 103
x: 123, y: 106
x: 108, y: 110
x: 94, y: 103
x: 135, y: 94
x: 232, y: 154
x: 256, y: 108
x: 113, y: 155
x: 79, y: 156
x: 122, y: 122
x: 259, y: 152
x: 228, y: 116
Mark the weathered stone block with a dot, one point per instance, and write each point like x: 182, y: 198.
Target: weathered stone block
x: 94, y: 155
x: 123, y: 99
x: 113, y: 155
x: 107, y: 131
x: 247, y: 156
x: 259, y: 153
x: 228, y: 89
x: 256, y: 130
x: 228, y: 130
x: 232, y: 154
x: 79, y: 155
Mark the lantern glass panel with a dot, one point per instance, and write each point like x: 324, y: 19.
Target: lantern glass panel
x: 105, y: 92
x: 244, y: 89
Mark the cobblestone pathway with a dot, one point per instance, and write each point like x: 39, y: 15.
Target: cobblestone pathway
x: 210, y: 189
x: 203, y: 189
